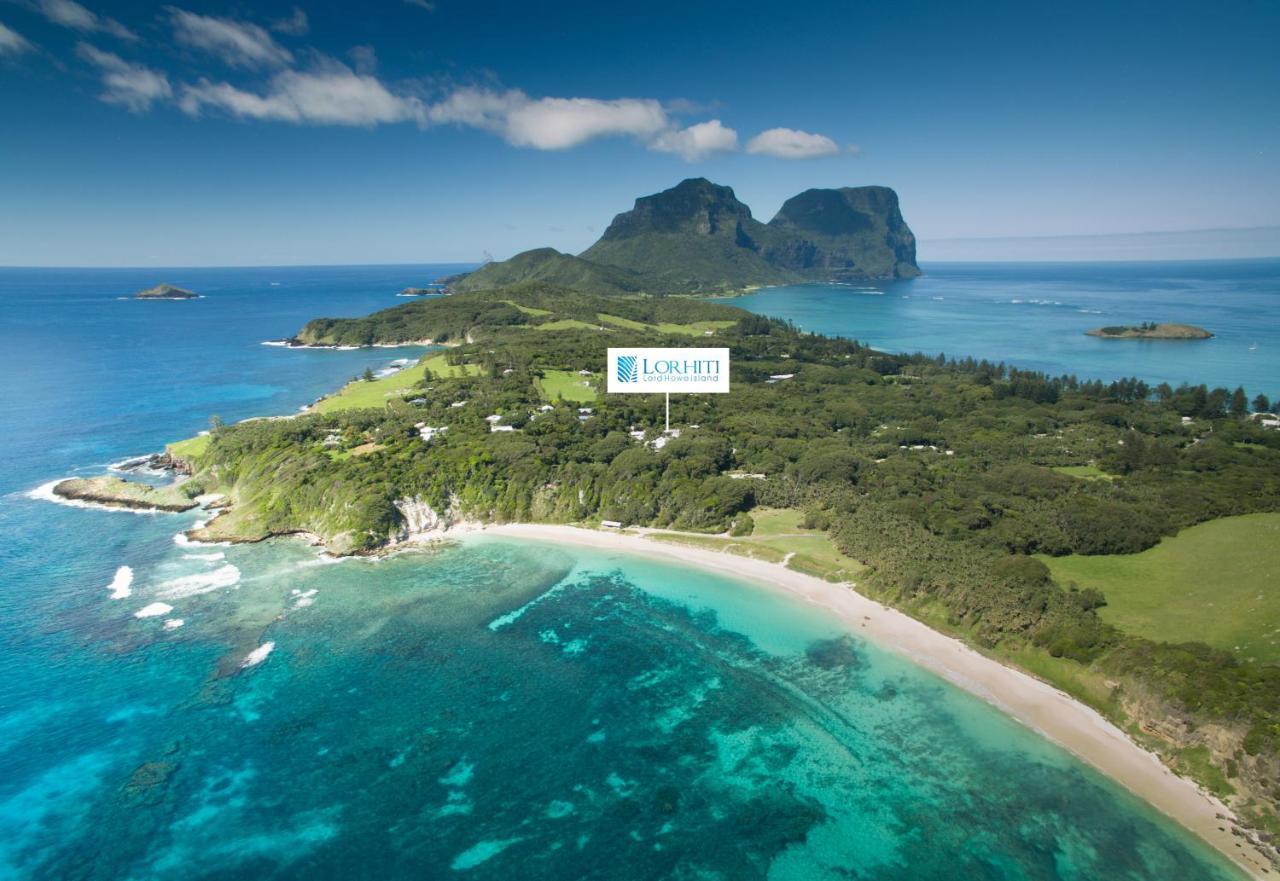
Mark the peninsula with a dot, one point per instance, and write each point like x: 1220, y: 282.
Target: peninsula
x: 166, y: 292
x: 1150, y: 331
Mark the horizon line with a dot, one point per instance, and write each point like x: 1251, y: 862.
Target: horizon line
x: 407, y: 263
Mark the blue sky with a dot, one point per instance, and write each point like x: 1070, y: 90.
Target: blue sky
x: 326, y: 132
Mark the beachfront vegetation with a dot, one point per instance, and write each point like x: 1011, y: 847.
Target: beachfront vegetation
x: 778, y: 535
x: 951, y: 481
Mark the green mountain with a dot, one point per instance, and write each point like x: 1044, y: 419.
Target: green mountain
x: 698, y: 238
x: 846, y: 234
x: 550, y: 266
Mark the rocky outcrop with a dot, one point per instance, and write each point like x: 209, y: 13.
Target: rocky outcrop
x: 166, y: 292
x: 1175, y: 737
x: 420, y: 520
x: 116, y: 493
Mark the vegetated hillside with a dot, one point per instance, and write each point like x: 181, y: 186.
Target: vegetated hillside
x: 698, y: 238
x: 552, y: 267
x: 478, y: 315
x: 936, y: 474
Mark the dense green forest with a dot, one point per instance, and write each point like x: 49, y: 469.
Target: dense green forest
x: 938, y: 473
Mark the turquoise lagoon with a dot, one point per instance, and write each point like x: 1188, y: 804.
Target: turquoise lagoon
x: 492, y: 709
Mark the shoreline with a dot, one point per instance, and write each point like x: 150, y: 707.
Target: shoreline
x: 1051, y: 713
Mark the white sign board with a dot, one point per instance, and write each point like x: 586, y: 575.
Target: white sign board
x: 669, y: 371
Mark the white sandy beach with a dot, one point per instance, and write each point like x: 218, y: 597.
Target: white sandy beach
x: 1054, y: 714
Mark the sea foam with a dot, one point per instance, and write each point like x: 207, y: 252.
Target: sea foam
x: 155, y: 610
x: 257, y: 656
x: 120, y: 585
x: 200, y: 582
x: 44, y: 493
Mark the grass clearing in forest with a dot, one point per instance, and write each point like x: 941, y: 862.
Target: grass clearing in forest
x: 567, y: 384
x: 1215, y: 582
x: 1084, y: 472
x: 363, y: 394
x: 191, y: 448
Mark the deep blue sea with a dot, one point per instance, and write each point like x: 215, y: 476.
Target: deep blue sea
x: 1034, y: 316
x: 500, y: 709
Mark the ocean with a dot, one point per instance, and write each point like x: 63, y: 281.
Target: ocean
x: 497, y: 709
x: 1034, y: 316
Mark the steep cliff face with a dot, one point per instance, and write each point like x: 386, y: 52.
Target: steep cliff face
x: 694, y: 207
x: 693, y: 237
x: 849, y: 233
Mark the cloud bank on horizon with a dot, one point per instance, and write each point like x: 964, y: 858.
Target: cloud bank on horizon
x: 324, y: 91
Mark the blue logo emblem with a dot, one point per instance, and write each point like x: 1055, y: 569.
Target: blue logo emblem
x: 627, y: 371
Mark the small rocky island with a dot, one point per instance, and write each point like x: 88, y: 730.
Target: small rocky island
x: 417, y: 292
x: 166, y: 292
x: 1149, y: 330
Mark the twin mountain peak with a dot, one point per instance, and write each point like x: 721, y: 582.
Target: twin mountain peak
x: 698, y: 238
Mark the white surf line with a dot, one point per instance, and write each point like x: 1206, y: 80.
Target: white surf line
x: 44, y: 493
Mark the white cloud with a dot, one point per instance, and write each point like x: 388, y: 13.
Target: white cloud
x: 295, y: 25
x: 559, y: 123
x: 132, y: 86
x: 72, y: 15
x: 12, y: 42
x: 697, y: 141
x: 239, y: 44
x: 476, y: 108
x: 334, y: 95
x: 789, y: 143
x: 549, y: 123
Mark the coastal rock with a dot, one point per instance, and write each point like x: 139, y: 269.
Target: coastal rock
x: 116, y: 493
x: 419, y: 519
x: 417, y: 292
x: 166, y: 292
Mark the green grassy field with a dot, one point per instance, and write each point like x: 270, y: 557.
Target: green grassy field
x: 565, y: 324
x: 777, y: 534
x: 1084, y: 472
x: 556, y: 384
x: 361, y: 394
x: 697, y: 328
x: 1214, y: 583
x: 189, y: 448
x: 527, y: 310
